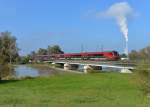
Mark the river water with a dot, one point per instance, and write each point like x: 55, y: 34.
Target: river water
x: 24, y: 71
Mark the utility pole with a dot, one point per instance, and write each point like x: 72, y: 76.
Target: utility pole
x: 102, y: 48
x: 82, y: 48
x: 97, y: 48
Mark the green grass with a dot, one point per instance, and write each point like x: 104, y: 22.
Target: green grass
x: 74, y: 90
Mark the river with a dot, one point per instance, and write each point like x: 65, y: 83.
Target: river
x: 24, y: 71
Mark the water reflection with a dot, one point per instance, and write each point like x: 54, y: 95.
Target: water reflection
x: 104, y: 69
x: 23, y: 71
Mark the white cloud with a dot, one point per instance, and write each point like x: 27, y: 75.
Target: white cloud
x: 118, y: 9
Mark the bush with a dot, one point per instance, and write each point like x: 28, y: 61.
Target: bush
x: 6, y: 71
x: 143, y: 71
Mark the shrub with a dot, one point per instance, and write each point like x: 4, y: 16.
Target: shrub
x: 6, y: 71
x: 143, y: 72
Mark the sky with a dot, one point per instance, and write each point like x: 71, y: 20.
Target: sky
x: 72, y: 24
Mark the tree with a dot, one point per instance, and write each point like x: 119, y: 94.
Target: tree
x: 134, y: 55
x: 143, y: 54
x: 8, y: 52
x: 24, y: 59
x: 36, y: 56
x: 8, y: 47
x: 42, y: 51
x: 32, y: 55
x: 54, y: 49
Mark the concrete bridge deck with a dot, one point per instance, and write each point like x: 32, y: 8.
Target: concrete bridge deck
x: 122, y: 63
x: 125, y: 67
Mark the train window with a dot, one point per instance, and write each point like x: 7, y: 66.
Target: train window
x: 115, y: 53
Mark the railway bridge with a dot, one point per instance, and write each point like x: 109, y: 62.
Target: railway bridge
x: 123, y: 67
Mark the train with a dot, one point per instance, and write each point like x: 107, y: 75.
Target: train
x: 108, y: 55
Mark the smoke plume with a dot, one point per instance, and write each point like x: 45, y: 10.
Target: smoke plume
x: 120, y: 12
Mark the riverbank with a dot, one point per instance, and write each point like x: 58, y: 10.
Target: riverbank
x: 73, y: 90
x: 50, y: 66
x: 36, y: 70
x: 33, y: 70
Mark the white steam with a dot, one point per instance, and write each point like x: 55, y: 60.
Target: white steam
x: 119, y: 11
x: 122, y: 22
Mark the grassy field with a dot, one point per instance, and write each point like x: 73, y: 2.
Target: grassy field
x: 74, y: 90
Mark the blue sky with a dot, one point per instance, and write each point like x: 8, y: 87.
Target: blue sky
x: 39, y: 23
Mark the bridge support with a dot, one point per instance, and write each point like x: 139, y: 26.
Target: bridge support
x: 125, y: 70
x: 59, y: 65
x: 88, y: 68
x: 53, y: 64
x: 68, y: 66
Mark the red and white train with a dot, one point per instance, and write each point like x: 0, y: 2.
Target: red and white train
x: 111, y: 55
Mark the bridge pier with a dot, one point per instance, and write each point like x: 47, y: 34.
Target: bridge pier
x: 87, y: 68
x: 53, y: 64
x: 125, y: 70
x: 90, y: 67
x: 68, y: 66
x: 59, y: 65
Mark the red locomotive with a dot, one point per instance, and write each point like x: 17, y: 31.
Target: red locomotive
x: 111, y: 55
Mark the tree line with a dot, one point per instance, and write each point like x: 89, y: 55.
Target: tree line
x: 55, y: 49
x: 142, y: 54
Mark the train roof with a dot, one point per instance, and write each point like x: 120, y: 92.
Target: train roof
x: 80, y: 53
